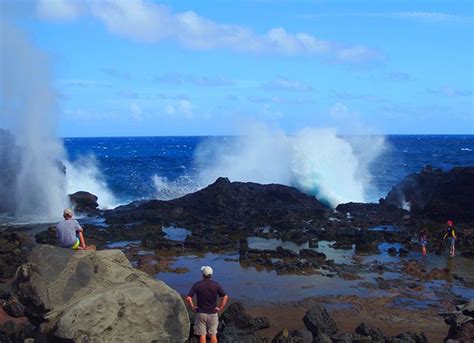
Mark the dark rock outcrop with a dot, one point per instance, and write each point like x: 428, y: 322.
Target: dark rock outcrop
x: 14, y: 308
x: 97, y: 296
x: 84, y: 202
x: 411, y: 337
x: 293, y: 336
x: 461, y: 322
x: 235, y: 315
x: 236, y: 325
x: 370, y: 331
x: 227, y: 205
x: 436, y: 194
x: 11, y: 332
x: 14, y: 250
x: 372, y: 214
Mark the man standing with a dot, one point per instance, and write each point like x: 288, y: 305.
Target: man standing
x: 206, y: 319
x: 69, y: 232
x: 451, y: 236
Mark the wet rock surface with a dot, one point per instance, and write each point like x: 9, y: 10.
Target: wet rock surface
x: 437, y: 194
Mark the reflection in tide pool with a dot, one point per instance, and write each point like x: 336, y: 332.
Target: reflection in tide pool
x: 176, y: 233
x: 384, y: 228
x: 122, y: 244
x: 338, y: 255
x: 246, y: 283
x: 249, y: 284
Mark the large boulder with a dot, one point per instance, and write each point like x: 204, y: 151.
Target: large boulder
x: 84, y: 202
x: 97, y: 296
x: 319, y: 322
x: 228, y: 205
x: 436, y: 194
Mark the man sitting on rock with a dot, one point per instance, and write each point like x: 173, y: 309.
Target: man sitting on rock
x: 206, y: 319
x: 69, y: 232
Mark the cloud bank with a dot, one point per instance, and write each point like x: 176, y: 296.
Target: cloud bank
x: 149, y: 22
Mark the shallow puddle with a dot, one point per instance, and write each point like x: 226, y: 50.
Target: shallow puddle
x: 177, y: 234
x: 338, y: 255
x: 262, y: 284
x: 122, y: 244
x: 248, y: 283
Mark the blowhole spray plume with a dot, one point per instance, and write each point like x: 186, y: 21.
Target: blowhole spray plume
x: 316, y: 161
x: 28, y: 107
x: 38, y: 174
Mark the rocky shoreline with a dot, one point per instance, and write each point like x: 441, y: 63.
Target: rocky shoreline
x: 227, y: 217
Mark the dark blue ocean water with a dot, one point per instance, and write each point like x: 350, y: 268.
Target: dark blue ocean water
x: 131, y: 165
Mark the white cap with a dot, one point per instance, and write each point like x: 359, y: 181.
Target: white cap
x: 68, y: 212
x: 206, y: 270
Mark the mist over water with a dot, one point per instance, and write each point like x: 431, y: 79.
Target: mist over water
x: 316, y: 161
x: 33, y: 158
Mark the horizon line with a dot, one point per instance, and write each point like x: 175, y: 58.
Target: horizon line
x: 204, y: 136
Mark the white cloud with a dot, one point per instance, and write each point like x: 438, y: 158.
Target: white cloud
x: 85, y: 83
x: 182, y: 108
x: 418, y: 16
x: 149, y: 22
x: 362, y: 97
x: 451, y: 92
x: 89, y: 115
x: 349, y: 121
x: 186, y: 108
x: 269, y: 112
x: 398, y: 76
x: 282, y: 83
x: 169, y: 109
x: 277, y: 100
x: 60, y: 10
x: 421, y: 16
x: 136, y: 111
x: 437, y: 17
x: 196, y: 80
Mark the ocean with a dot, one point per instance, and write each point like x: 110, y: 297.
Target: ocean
x: 136, y: 168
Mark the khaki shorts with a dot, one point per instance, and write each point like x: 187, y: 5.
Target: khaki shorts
x: 205, y: 323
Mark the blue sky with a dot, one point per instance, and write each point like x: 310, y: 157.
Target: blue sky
x: 145, y: 68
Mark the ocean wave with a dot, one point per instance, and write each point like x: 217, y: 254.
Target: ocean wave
x: 317, y: 161
x: 166, y: 189
x: 466, y: 149
x: 84, y: 175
